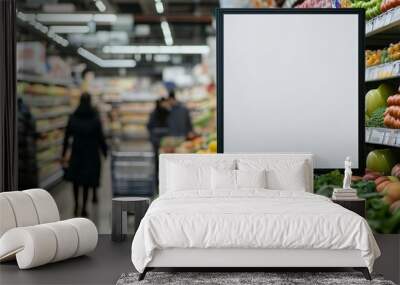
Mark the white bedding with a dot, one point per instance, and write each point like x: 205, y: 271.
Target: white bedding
x: 251, y: 218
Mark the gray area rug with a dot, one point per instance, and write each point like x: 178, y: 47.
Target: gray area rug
x: 229, y: 278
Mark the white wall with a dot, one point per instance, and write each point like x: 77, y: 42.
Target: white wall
x: 291, y: 85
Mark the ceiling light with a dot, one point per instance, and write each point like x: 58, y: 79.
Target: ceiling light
x: 75, y: 18
x: 118, y: 63
x: 162, y: 58
x: 66, y: 18
x: 57, y: 38
x: 106, y: 63
x: 198, y: 49
x: 100, y: 5
x: 70, y: 29
x: 159, y: 7
x: 105, y: 18
x: 39, y: 26
x: 167, y: 33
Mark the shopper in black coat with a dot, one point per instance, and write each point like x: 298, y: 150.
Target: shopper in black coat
x: 158, y: 128
x: 83, y: 167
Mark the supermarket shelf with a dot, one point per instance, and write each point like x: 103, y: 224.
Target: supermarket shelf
x: 383, y: 136
x: 133, y: 136
x: 51, y: 128
x: 47, y: 115
x: 133, y: 122
x: 55, y: 157
x: 44, y: 80
x: 44, y: 100
x: 49, y: 144
x: 52, y: 179
x: 386, y: 22
x: 384, y: 71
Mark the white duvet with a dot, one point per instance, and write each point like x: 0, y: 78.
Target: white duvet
x: 250, y: 219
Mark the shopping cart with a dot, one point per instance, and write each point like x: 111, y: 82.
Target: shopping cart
x: 132, y: 173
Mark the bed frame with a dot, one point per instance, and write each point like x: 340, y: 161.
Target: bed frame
x: 260, y: 259
x: 246, y: 259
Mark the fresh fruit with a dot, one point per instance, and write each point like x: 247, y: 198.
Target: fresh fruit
x: 393, y: 178
x: 370, y: 176
x: 394, y: 207
x: 381, y: 160
x: 373, y: 101
x: 385, y: 90
x: 393, y: 191
x: 381, y: 179
x: 387, y: 200
x: 212, y: 146
x: 396, y: 170
x: 381, y: 186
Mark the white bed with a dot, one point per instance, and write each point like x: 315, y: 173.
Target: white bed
x: 249, y: 227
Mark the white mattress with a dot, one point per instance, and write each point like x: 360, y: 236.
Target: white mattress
x: 250, y: 219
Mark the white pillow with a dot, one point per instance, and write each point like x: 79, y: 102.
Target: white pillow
x: 181, y: 177
x: 223, y: 179
x: 282, y: 174
x: 251, y: 178
x: 228, y: 179
x: 193, y: 174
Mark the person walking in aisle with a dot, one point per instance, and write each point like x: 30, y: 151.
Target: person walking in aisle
x: 179, y: 121
x: 84, y: 164
x: 158, y: 128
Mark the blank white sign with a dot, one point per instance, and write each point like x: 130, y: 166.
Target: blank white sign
x: 290, y: 84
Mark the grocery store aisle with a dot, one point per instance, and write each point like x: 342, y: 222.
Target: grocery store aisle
x: 99, y: 213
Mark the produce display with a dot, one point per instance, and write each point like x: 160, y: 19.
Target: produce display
x: 389, y: 54
x: 382, y: 194
x: 386, y: 5
x: 206, y: 143
x: 381, y: 161
x: 382, y: 107
x: 372, y: 7
x: 315, y: 4
x: 203, y: 113
x: 392, y: 113
x: 376, y: 119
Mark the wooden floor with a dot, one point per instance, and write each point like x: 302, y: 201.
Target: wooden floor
x: 103, y: 266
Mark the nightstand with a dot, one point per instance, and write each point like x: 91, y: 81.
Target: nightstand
x: 357, y: 205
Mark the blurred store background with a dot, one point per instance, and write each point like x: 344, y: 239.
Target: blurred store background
x: 131, y: 54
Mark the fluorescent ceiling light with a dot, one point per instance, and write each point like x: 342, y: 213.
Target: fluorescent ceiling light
x: 106, y: 63
x: 70, y: 29
x: 167, y: 33
x: 100, y: 5
x: 162, y: 58
x: 39, y: 26
x: 159, y: 7
x: 198, y: 49
x: 105, y: 18
x: 75, y: 18
x: 66, y: 18
x: 58, y: 39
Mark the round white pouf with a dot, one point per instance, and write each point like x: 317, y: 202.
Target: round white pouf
x: 33, y: 246
x: 87, y: 233
x: 67, y: 240
x: 23, y: 208
x: 6, y: 215
x: 45, y: 205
